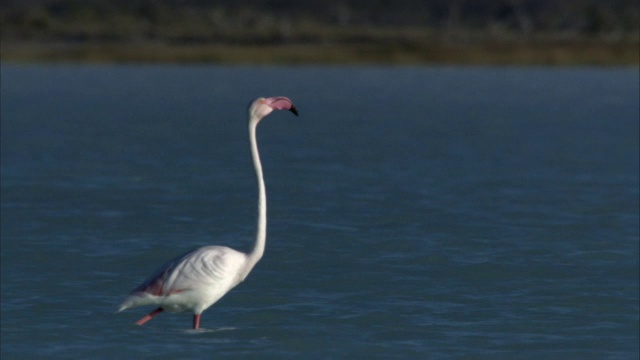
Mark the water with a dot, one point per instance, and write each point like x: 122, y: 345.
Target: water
x: 413, y: 212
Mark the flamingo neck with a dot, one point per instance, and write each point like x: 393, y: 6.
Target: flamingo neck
x: 261, y: 231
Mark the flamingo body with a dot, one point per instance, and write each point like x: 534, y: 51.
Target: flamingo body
x: 191, y: 282
x: 196, y: 280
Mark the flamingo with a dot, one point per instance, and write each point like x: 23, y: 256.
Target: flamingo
x: 196, y: 280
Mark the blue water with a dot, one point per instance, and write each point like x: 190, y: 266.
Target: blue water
x: 414, y: 213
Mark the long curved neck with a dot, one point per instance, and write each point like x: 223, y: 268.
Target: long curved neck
x: 261, y: 231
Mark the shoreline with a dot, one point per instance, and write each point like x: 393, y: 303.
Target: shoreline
x: 531, y: 53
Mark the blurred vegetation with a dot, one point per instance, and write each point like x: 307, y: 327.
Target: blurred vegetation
x: 603, y: 32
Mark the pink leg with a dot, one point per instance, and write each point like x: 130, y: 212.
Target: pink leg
x: 149, y: 316
x: 196, y: 321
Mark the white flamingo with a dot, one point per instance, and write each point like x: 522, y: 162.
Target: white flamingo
x: 196, y: 280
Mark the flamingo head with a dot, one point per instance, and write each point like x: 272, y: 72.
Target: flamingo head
x: 261, y: 107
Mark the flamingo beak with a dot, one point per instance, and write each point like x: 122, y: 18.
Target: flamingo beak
x: 294, y: 110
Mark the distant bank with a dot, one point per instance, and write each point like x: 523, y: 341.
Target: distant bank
x: 557, y: 52
x: 479, y: 32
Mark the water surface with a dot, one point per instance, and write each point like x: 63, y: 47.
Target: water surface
x: 413, y: 212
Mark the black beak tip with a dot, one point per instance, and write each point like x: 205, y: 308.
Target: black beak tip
x: 294, y: 110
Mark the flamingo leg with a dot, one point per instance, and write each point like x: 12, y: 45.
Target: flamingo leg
x: 196, y: 321
x: 149, y: 316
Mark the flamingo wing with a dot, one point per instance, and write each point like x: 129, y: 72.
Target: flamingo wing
x: 194, y: 280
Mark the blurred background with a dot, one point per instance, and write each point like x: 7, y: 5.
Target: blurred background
x: 527, y: 32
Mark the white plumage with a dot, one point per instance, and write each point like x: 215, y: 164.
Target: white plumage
x: 196, y: 280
